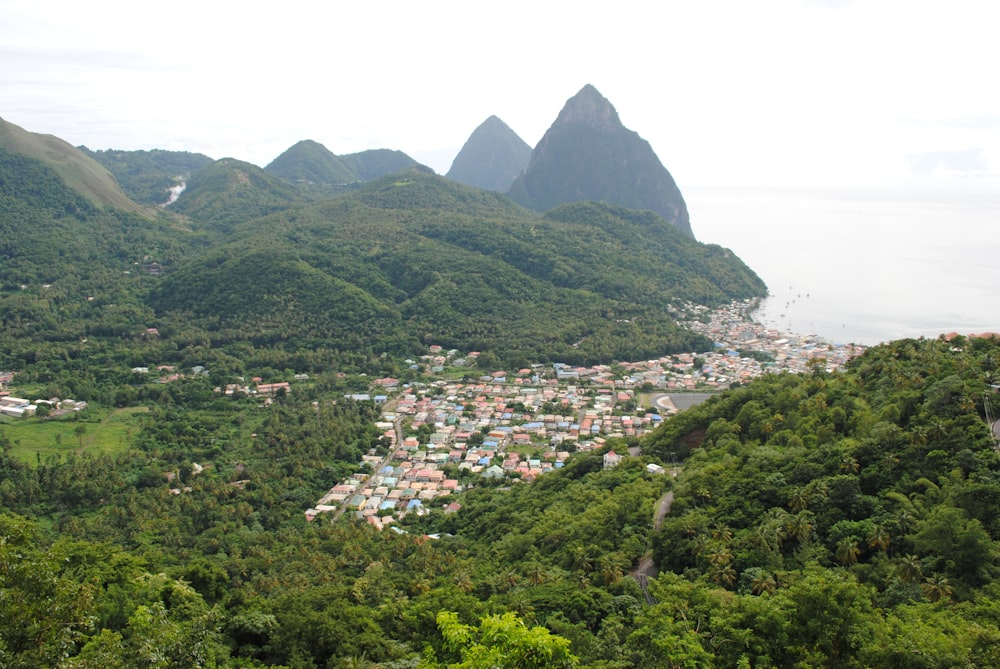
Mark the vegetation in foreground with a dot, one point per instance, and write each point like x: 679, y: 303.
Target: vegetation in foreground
x: 844, y: 520
x: 818, y: 521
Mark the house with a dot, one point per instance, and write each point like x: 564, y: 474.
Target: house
x: 612, y: 460
x: 17, y: 407
x: 493, y: 472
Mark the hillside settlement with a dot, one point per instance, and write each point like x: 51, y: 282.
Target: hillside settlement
x: 518, y: 425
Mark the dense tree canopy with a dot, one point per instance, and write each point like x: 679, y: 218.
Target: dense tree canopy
x: 818, y: 520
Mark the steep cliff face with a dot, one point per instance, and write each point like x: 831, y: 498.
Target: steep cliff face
x: 491, y: 158
x: 588, y: 154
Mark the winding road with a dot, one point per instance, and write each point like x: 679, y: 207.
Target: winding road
x: 646, y: 568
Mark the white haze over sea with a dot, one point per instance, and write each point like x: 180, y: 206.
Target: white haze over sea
x: 863, y: 265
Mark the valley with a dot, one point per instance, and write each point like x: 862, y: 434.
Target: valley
x: 341, y: 411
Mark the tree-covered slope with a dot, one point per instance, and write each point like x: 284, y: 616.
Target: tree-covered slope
x: 312, y: 166
x: 230, y: 192
x: 316, y: 170
x: 69, y: 266
x: 77, y: 170
x: 824, y: 520
x: 461, y: 267
x: 147, y: 176
x: 371, y: 164
x: 861, y: 508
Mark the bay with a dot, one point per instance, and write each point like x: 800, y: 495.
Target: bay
x: 863, y: 265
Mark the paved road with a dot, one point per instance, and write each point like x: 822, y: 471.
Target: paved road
x: 646, y: 568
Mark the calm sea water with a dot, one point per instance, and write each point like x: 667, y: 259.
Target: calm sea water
x: 863, y: 266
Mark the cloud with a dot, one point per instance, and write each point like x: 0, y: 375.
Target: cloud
x: 967, y: 162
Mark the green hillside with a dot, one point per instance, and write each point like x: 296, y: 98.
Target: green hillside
x: 80, y: 173
x: 312, y: 166
x: 146, y: 176
x: 845, y: 520
x: 230, y: 192
x: 374, y: 163
x: 431, y: 260
x: 315, y: 170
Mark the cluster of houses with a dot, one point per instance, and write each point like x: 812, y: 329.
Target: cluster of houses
x: 168, y: 373
x: 18, y: 407
x: 515, y: 426
x: 521, y: 424
x: 733, y: 332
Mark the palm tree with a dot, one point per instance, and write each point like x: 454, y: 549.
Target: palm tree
x: 722, y: 533
x: 723, y: 574
x: 850, y: 465
x: 611, y: 568
x: 583, y: 561
x: 848, y: 551
x: 799, y: 500
x: 879, y: 538
x: 764, y: 582
x: 936, y: 588
x: 703, y: 495
x: 421, y: 587
x: 463, y: 579
x: 800, y: 526
x: 537, y: 574
x: 906, y: 522
x: 909, y: 569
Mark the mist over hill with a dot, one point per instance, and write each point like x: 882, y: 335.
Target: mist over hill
x: 150, y: 177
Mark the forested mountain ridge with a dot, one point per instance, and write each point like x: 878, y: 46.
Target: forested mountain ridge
x: 587, y: 154
x: 414, y: 257
x: 818, y: 520
x: 244, y: 257
x: 315, y: 169
x: 230, y: 192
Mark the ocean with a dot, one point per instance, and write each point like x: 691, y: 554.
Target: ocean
x: 863, y: 265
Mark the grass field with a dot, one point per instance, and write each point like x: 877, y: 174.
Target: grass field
x: 35, y: 440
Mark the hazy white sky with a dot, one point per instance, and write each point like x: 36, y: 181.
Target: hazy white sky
x: 783, y: 92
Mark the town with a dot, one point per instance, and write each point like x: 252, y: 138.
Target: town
x: 447, y: 433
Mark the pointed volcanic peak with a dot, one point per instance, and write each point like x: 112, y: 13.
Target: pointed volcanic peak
x: 588, y: 154
x: 79, y: 171
x: 491, y: 158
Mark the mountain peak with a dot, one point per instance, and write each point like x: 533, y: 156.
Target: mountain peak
x: 587, y: 154
x: 491, y: 158
x: 589, y: 107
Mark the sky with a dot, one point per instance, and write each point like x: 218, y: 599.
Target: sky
x: 729, y: 93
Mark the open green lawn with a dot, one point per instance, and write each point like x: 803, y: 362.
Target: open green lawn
x: 34, y: 440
